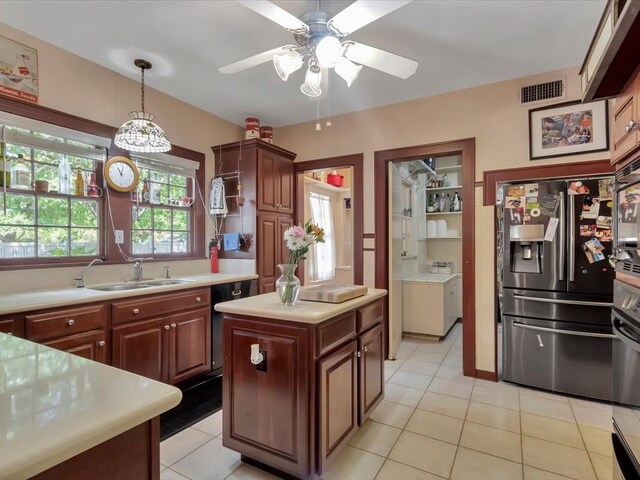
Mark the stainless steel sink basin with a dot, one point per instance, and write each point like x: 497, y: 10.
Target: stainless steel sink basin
x: 119, y: 287
x: 132, y: 286
x: 167, y: 281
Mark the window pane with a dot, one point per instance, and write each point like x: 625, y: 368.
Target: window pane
x: 144, y: 173
x: 84, y: 213
x: 161, y: 219
x: 142, y: 218
x: 141, y: 241
x: 20, y: 210
x: 180, y: 220
x: 17, y: 242
x: 159, y: 177
x: 53, y: 211
x: 80, y: 163
x: 177, y: 192
x: 161, y: 242
x: 180, y: 242
x: 15, y: 150
x: 178, y: 180
x: 53, y: 242
x: 48, y: 173
x: 46, y: 157
x: 84, y: 241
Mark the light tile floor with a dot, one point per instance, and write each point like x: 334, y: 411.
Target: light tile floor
x: 435, y: 423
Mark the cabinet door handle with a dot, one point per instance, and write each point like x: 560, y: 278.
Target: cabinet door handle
x: 136, y: 311
x: 365, y: 350
x: 101, y: 343
x: 235, y: 293
x: 630, y: 126
x: 173, y: 325
x: 9, y: 333
x: 167, y: 327
x: 358, y: 354
x: 71, y: 322
x: 198, y: 299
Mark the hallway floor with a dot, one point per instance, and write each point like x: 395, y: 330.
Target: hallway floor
x: 435, y: 423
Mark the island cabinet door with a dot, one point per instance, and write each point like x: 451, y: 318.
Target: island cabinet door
x: 266, y: 407
x: 139, y: 347
x: 338, y: 405
x: 189, y: 344
x: 370, y: 371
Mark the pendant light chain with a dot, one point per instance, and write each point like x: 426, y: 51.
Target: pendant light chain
x: 142, y: 87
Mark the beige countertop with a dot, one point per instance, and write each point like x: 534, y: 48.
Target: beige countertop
x: 54, y: 405
x: 432, y: 277
x: 25, y: 301
x: 268, y: 306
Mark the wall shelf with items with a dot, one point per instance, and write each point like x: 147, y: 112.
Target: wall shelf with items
x: 452, y: 168
x: 439, y: 189
x: 443, y: 238
x: 325, y: 185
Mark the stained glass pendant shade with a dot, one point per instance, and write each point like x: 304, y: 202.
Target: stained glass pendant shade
x: 141, y: 134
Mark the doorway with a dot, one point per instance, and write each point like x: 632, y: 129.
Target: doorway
x: 314, y: 191
x: 465, y: 148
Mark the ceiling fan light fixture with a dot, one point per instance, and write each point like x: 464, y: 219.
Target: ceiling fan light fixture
x: 141, y: 134
x: 348, y: 70
x: 312, y: 80
x: 328, y: 50
x: 287, y: 63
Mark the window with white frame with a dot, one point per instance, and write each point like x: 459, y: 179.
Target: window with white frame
x: 323, y: 257
x: 45, y: 223
x: 163, y: 225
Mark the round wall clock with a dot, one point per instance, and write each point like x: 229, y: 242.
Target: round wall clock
x: 121, y: 174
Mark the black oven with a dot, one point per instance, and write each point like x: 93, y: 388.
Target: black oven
x: 626, y: 381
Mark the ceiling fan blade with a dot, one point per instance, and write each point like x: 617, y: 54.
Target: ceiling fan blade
x: 254, y: 60
x: 380, y: 60
x: 361, y: 13
x: 276, y: 14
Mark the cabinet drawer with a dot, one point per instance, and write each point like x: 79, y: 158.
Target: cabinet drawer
x: 58, y: 323
x: 335, y: 332
x: 161, y: 304
x: 370, y: 315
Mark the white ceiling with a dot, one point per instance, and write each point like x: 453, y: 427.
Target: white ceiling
x: 459, y: 44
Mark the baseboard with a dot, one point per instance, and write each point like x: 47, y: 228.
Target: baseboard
x: 485, y: 375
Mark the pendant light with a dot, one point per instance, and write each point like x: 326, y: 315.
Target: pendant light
x: 141, y: 134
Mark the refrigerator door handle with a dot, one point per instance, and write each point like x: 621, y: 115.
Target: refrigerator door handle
x: 562, y: 239
x: 565, y: 302
x: 572, y: 237
x: 563, y: 332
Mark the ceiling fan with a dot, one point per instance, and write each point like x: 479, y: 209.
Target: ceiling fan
x: 320, y: 39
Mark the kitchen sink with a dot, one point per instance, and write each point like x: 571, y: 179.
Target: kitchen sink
x: 133, y: 286
x: 119, y: 287
x: 167, y: 281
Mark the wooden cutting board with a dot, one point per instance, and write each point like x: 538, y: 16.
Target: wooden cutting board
x: 331, y: 293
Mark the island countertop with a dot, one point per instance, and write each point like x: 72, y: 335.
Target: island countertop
x: 304, y: 311
x: 25, y: 301
x: 55, y: 405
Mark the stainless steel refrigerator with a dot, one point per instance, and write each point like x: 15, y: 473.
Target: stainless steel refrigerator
x: 558, y: 285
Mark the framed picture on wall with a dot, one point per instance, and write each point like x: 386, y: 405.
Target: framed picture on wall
x: 568, y: 129
x: 18, y: 70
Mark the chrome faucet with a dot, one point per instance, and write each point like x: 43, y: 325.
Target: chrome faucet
x: 80, y: 280
x: 167, y: 272
x: 137, y: 268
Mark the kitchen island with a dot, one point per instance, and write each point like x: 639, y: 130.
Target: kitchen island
x: 299, y: 381
x: 63, y: 416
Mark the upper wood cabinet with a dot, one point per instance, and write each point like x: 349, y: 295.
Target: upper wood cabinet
x: 614, y: 51
x: 625, y: 138
x: 275, y: 186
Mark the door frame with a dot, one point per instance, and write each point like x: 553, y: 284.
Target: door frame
x: 356, y: 161
x: 466, y: 148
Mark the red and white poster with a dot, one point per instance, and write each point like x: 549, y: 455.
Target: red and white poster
x: 18, y: 70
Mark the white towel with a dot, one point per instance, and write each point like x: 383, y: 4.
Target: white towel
x: 217, y: 200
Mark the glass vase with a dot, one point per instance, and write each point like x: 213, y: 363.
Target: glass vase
x: 287, y: 284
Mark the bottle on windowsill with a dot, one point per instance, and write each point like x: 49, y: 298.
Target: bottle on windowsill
x: 145, y: 195
x: 79, y: 183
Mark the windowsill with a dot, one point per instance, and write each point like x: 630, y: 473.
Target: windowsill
x: 409, y: 257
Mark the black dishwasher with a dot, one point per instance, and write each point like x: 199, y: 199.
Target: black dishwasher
x: 223, y: 293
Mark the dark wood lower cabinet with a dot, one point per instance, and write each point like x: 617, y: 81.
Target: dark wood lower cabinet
x: 318, y: 383
x: 139, y: 347
x: 188, y: 353
x: 91, y: 345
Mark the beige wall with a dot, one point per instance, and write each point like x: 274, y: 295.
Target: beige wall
x: 74, y: 85
x: 491, y: 114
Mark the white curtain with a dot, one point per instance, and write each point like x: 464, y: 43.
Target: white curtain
x: 323, y: 255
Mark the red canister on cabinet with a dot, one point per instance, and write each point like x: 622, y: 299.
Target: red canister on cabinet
x: 251, y: 128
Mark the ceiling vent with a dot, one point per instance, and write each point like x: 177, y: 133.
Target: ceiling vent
x: 542, y: 91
